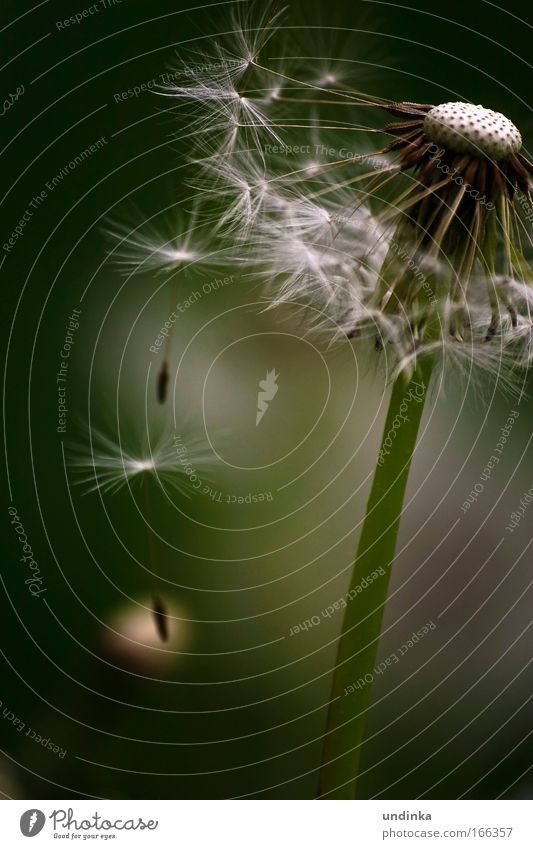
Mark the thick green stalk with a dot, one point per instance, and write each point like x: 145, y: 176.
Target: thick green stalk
x: 361, y: 628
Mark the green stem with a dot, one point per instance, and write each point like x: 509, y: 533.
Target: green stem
x: 363, y: 617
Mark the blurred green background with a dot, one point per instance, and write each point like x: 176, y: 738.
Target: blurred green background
x: 239, y: 709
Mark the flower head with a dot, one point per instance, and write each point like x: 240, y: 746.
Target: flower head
x: 241, y: 187
x: 174, y: 461
x: 423, y: 242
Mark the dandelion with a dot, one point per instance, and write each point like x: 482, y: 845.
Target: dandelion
x: 175, y: 246
x: 326, y: 254
x: 242, y: 188
x: 425, y: 251
x: 230, y: 94
x: 422, y: 245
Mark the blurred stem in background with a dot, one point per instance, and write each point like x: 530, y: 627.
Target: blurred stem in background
x: 357, y: 650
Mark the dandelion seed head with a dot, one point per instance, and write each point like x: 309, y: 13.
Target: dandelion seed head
x: 131, y: 638
x: 465, y: 128
x: 326, y: 253
x: 152, y: 246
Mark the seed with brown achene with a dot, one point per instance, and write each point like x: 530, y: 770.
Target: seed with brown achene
x: 162, y: 382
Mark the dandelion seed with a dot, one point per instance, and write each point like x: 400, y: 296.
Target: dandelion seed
x: 441, y: 259
x: 327, y: 253
x: 176, y: 463
x: 162, y: 382
x: 176, y: 243
x: 160, y: 614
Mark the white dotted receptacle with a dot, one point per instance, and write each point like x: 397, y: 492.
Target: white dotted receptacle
x: 465, y: 128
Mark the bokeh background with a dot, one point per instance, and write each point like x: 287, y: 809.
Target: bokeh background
x: 233, y: 705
